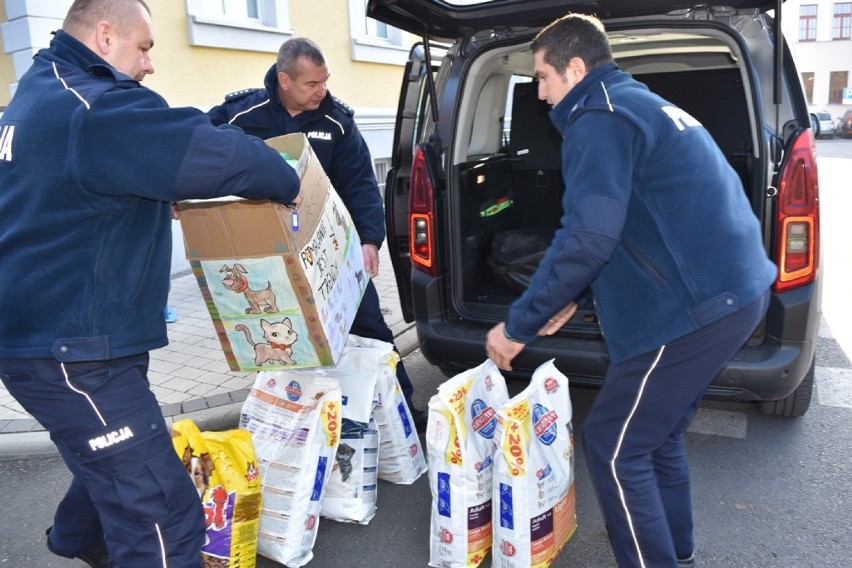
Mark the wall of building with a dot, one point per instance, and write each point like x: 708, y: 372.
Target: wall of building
x: 193, y: 66
x: 7, y: 71
x: 200, y: 76
x: 822, y: 56
x: 25, y: 26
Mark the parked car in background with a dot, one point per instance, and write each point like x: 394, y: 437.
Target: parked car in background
x: 844, y: 125
x: 826, y: 124
x: 474, y: 193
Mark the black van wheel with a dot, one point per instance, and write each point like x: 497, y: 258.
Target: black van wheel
x: 797, y: 403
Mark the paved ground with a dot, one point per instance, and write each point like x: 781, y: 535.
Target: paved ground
x: 190, y: 376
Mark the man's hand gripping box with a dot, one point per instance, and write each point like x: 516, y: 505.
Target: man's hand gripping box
x: 281, y: 284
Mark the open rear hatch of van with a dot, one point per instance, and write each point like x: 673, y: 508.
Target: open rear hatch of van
x: 505, y: 192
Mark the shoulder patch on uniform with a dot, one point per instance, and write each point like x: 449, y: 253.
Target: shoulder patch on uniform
x: 240, y: 94
x: 343, y: 106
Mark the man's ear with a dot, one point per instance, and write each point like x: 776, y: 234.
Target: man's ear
x: 104, y: 37
x: 283, y: 80
x: 576, y: 69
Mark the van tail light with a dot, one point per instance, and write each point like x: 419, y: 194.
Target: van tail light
x: 797, y: 236
x: 421, y: 230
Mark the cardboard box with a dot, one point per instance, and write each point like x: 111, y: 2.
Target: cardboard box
x: 282, y: 285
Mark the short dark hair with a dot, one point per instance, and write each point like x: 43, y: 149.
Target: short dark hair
x: 573, y: 35
x: 83, y: 15
x: 290, y: 52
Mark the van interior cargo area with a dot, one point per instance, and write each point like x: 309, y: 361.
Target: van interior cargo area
x: 510, y: 201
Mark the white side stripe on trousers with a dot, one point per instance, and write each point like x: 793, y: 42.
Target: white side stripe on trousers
x: 618, y: 449
x: 91, y: 402
x: 162, y: 544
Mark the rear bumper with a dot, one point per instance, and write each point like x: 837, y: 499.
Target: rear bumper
x: 765, y: 372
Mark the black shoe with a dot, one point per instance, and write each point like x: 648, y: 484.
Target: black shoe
x: 686, y: 561
x: 420, y: 419
x: 96, y: 558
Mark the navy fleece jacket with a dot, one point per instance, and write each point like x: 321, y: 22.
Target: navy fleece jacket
x: 92, y: 161
x: 655, y: 220
x: 334, y: 137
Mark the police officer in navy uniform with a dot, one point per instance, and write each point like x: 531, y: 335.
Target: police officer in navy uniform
x: 91, y: 162
x: 295, y: 99
x: 657, y: 222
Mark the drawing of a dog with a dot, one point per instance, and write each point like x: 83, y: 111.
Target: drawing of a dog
x: 280, y: 337
x: 235, y: 280
x: 340, y: 220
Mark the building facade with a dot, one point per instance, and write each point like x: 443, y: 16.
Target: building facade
x: 820, y: 36
x: 205, y: 49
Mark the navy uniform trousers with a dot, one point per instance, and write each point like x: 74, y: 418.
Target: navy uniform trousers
x: 129, y: 485
x: 370, y: 323
x: 634, y: 439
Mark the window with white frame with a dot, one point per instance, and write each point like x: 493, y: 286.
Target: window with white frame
x: 254, y: 25
x: 374, y: 41
x: 807, y: 22
x: 837, y: 81
x: 381, y: 167
x: 841, y: 25
x: 808, y: 85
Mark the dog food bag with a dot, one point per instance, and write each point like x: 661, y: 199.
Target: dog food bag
x: 534, y: 503
x: 351, y: 491
x: 401, y: 458
x: 460, y: 443
x: 294, y: 418
x: 224, y: 468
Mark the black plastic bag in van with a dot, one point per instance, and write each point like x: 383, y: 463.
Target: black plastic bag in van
x: 516, y: 254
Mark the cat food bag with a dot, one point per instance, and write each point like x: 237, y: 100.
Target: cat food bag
x: 223, y: 467
x: 401, y: 458
x: 351, y: 491
x: 460, y: 443
x: 534, y: 503
x: 294, y: 418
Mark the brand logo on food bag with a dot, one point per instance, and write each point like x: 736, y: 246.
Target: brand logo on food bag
x: 545, y: 424
x: 294, y: 391
x: 551, y: 384
x: 483, y: 419
x: 481, y: 466
x: 508, y: 548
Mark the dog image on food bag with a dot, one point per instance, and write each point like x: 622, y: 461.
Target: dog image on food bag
x: 224, y: 468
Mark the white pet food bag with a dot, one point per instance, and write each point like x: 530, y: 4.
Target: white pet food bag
x: 350, y: 495
x: 460, y: 443
x: 534, y: 501
x: 401, y: 458
x: 294, y: 419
